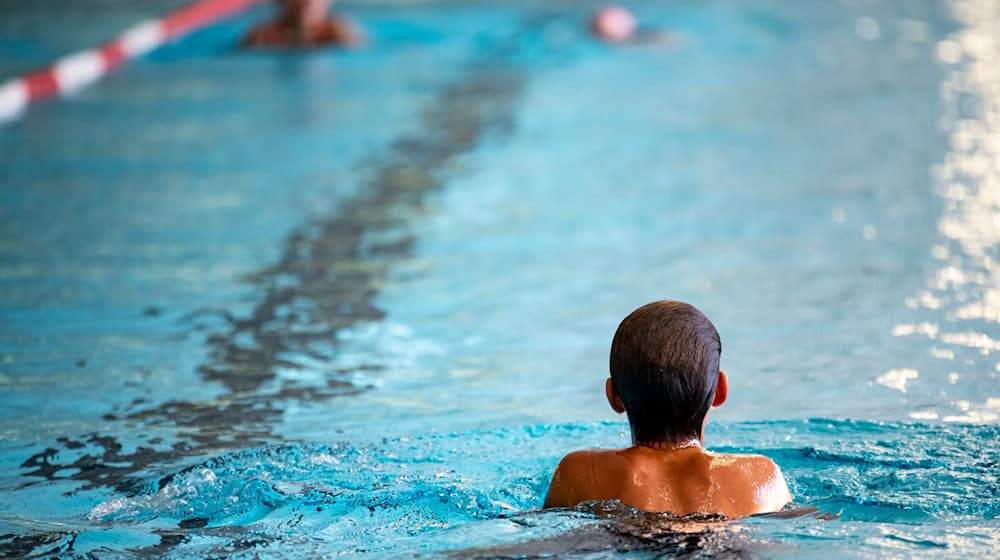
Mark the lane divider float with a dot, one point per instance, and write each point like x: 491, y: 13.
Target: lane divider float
x: 76, y: 71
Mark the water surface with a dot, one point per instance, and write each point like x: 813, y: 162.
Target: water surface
x: 361, y: 302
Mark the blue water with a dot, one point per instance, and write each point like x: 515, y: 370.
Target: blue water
x: 311, y: 304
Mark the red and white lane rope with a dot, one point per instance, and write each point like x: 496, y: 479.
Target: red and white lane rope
x: 78, y: 70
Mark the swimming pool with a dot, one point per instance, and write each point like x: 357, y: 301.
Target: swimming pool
x: 361, y: 302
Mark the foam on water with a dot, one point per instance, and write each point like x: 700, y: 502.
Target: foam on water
x: 421, y: 492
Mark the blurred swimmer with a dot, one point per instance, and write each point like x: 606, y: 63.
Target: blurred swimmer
x: 615, y: 24
x: 304, y: 23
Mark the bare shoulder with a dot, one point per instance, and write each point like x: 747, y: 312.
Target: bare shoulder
x: 577, y: 458
x: 587, y: 459
x: 575, y: 478
x: 576, y: 469
x: 761, y: 476
x: 757, y: 464
x: 744, y: 462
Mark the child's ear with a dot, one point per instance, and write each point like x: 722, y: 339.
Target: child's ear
x: 721, y: 389
x: 613, y: 399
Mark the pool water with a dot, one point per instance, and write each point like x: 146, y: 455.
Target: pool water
x: 325, y: 303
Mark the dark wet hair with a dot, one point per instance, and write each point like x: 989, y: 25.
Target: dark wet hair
x: 665, y: 367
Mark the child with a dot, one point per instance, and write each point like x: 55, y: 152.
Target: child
x: 665, y: 375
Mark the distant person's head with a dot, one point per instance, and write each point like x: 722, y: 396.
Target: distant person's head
x: 306, y: 10
x: 665, y: 372
x: 613, y: 23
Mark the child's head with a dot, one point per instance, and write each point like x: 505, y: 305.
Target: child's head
x: 665, y: 371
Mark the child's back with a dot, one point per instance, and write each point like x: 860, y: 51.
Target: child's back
x: 664, y: 372
x: 679, y: 481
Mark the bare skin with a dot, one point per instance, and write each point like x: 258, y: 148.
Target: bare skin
x: 679, y: 478
x: 616, y: 25
x: 304, y: 23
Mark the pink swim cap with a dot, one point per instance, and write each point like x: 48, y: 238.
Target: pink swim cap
x: 613, y: 23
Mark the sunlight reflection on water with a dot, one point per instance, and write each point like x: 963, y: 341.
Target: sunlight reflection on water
x: 967, y: 284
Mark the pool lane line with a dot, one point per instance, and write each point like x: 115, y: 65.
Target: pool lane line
x: 78, y: 70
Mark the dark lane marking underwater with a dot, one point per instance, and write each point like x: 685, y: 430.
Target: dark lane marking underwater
x: 325, y: 264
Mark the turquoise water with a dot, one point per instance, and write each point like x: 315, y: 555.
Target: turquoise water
x: 330, y: 303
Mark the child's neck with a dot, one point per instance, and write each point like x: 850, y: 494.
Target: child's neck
x: 670, y: 445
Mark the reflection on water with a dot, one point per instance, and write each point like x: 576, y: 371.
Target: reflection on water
x: 965, y: 289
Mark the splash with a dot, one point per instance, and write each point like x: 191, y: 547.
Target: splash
x: 476, y: 489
